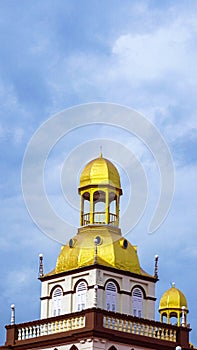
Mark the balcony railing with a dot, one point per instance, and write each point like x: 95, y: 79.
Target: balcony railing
x: 100, y: 323
x: 54, y: 326
x: 140, y: 327
x: 100, y: 218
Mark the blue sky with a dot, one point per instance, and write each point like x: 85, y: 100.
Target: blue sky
x: 57, y: 54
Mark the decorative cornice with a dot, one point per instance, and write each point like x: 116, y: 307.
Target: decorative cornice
x: 100, y: 267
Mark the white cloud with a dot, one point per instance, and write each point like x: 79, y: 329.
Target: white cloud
x: 165, y: 50
x: 152, y: 70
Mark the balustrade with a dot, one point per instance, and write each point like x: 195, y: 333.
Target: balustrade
x: 100, y: 218
x: 41, y: 329
x: 140, y: 328
x: 111, y: 321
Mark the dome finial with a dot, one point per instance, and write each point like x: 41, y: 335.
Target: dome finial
x: 173, y: 284
x: 41, y: 269
x: 156, y: 266
x: 12, y: 314
x: 101, y: 153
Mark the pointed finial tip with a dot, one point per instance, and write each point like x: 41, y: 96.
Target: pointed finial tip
x: 101, y: 153
x: 173, y: 284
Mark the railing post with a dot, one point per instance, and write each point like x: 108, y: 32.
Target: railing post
x: 107, y: 207
x: 82, y: 211
x: 11, y: 335
x: 94, y: 319
x: 183, y: 336
x: 91, y: 208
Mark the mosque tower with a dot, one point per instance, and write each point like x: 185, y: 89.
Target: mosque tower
x: 98, y: 267
x: 98, y: 296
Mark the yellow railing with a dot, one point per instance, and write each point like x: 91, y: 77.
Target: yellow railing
x: 46, y: 328
x: 100, y: 218
x: 140, y: 327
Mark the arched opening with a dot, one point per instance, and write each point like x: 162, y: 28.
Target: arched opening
x: 81, y: 294
x: 113, y: 215
x: 111, y: 295
x: 99, y: 199
x: 137, y: 302
x: 57, y: 302
x: 164, y: 318
x: 174, y: 318
x: 85, y: 208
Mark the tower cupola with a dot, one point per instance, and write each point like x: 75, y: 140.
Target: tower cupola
x: 100, y: 192
x: 173, y: 304
x: 99, y: 238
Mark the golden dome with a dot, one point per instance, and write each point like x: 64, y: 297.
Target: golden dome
x: 174, y: 299
x: 100, y: 171
x: 112, y: 250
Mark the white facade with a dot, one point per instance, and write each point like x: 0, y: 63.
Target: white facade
x: 120, y: 299
x: 96, y: 344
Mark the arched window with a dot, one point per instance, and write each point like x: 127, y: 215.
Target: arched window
x: 81, y: 293
x: 111, y: 292
x: 57, y: 302
x: 137, y: 302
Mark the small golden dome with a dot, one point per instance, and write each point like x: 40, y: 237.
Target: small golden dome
x: 112, y: 250
x: 100, y: 171
x: 174, y: 299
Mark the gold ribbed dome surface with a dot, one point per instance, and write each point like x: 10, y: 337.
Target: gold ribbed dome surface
x: 112, y: 250
x: 173, y: 298
x: 100, y: 171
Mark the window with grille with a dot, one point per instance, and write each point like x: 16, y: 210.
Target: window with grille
x: 111, y: 292
x: 137, y: 302
x: 57, y: 302
x: 81, y: 294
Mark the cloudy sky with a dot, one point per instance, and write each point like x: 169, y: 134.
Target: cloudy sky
x: 58, y: 54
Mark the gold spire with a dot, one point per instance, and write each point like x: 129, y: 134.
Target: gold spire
x: 101, y: 153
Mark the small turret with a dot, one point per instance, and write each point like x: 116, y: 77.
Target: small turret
x: 173, y: 304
